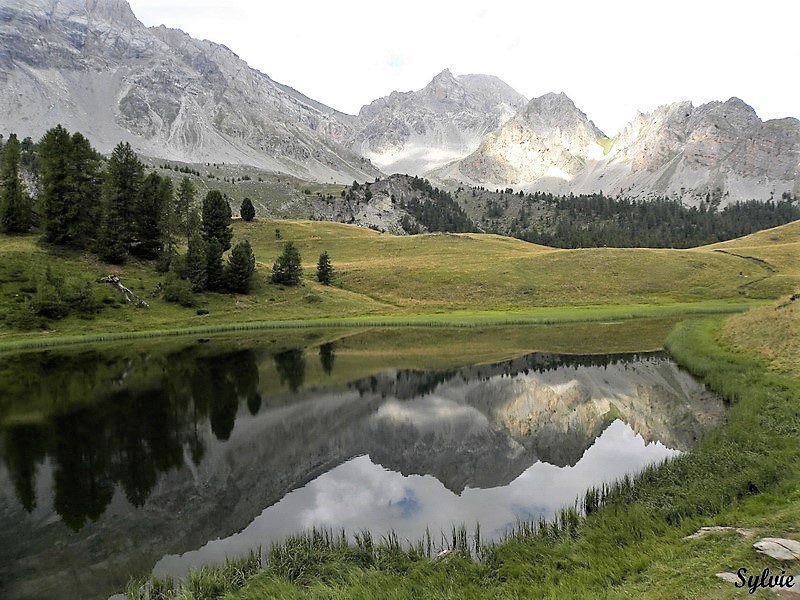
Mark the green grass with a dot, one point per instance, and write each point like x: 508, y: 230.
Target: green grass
x: 624, y: 540
x: 606, y: 143
x: 427, y: 279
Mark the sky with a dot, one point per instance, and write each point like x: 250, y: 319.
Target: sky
x: 613, y: 58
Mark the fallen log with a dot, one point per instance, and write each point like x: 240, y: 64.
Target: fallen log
x: 129, y: 294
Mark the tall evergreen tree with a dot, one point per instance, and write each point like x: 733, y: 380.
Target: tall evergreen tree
x: 69, y: 174
x: 148, y: 240
x: 217, y: 219
x: 288, y: 269
x: 196, y: 255
x: 122, y: 185
x: 87, y: 184
x: 247, y: 211
x: 169, y: 225
x: 59, y: 211
x: 324, y: 269
x: 16, y: 213
x: 183, y: 208
x: 215, y: 272
x: 241, y: 266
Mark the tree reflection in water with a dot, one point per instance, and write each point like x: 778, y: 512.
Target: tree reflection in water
x: 124, y: 437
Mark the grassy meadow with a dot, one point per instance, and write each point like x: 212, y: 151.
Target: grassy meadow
x: 458, y: 279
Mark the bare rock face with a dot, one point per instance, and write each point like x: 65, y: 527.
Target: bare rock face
x: 93, y: 67
x: 414, y: 132
x: 547, y: 142
x: 717, y: 153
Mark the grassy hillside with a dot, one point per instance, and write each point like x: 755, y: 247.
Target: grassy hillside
x: 381, y: 274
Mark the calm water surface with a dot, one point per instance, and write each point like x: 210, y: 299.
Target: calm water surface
x: 158, y: 460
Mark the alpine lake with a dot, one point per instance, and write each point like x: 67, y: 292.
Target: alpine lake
x: 159, y: 456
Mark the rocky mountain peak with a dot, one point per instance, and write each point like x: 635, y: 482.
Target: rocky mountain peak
x: 71, y: 34
x: 548, y: 140
x: 556, y: 111
x: 93, y: 67
x: 413, y: 132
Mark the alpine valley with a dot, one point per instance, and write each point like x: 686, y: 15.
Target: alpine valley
x: 91, y: 66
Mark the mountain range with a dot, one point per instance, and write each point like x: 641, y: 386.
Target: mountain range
x: 93, y: 67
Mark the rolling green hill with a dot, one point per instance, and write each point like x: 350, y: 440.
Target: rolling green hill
x: 381, y: 275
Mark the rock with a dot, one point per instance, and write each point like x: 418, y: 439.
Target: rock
x: 717, y: 153
x: 729, y: 577
x: 705, y: 531
x: 414, y: 132
x: 779, y: 548
x: 94, y: 68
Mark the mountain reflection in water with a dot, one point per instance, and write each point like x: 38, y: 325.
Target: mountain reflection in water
x: 144, y: 458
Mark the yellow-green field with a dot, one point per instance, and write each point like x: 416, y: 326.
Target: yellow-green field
x: 467, y: 277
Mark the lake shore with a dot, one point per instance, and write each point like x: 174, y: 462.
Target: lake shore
x: 620, y: 541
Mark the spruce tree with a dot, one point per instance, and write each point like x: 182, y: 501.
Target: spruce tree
x: 59, y: 211
x: 217, y: 219
x: 148, y: 241
x: 70, y: 179
x: 247, y: 211
x: 183, y: 209
x: 288, y: 269
x: 324, y: 269
x: 241, y: 266
x: 196, y: 255
x: 86, y: 183
x: 16, y: 213
x: 215, y: 272
x: 122, y: 185
x: 169, y: 226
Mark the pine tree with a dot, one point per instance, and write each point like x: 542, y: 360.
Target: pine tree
x: 324, y: 269
x: 69, y: 175
x: 241, y: 266
x: 59, y: 211
x: 122, y: 185
x: 217, y: 219
x: 16, y: 213
x: 247, y: 211
x: 185, y: 199
x: 287, y: 270
x: 169, y: 225
x: 86, y: 181
x: 196, y: 255
x: 215, y: 272
x: 148, y: 240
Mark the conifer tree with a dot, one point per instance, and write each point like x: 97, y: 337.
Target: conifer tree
x: 196, y: 255
x: 217, y: 219
x: 288, y: 269
x: 86, y: 181
x: 148, y: 240
x: 324, y: 269
x: 215, y: 272
x: 16, y: 213
x: 183, y: 209
x: 70, y: 179
x: 58, y: 208
x: 121, y: 188
x: 241, y: 266
x: 247, y: 211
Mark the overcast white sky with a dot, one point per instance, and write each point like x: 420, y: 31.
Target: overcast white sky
x: 612, y: 57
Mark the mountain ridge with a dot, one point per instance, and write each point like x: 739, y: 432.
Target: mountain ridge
x: 93, y: 67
